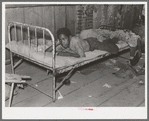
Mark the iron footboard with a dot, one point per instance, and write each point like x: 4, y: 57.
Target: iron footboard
x: 22, y: 26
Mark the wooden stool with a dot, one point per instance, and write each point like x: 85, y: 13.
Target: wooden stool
x: 14, y: 78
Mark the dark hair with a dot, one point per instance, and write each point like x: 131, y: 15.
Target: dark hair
x: 64, y: 31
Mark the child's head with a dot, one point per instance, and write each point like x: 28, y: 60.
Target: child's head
x: 64, y: 35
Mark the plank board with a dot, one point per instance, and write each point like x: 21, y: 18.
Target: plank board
x: 59, y: 17
x: 45, y: 84
x: 48, y: 18
x: 142, y: 104
x: 12, y: 15
x: 130, y: 97
x: 33, y: 16
x: 88, y: 95
x: 70, y: 23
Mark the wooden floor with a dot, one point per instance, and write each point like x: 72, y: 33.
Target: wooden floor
x: 92, y: 86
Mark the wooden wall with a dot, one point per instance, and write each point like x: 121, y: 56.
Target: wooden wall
x: 52, y: 17
x: 75, y: 17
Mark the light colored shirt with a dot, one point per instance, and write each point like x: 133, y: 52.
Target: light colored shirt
x: 77, y: 45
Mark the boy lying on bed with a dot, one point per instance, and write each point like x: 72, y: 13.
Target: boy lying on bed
x: 133, y: 40
x: 76, y: 47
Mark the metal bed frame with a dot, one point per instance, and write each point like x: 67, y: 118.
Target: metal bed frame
x: 15, y: 24
x: 55, y: 70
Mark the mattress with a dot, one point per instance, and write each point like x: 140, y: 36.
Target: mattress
x: 62, y: 63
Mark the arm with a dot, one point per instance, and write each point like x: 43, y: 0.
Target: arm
x: 77, y: 46
x: 79, y: 49
x: 80, y: 52
x: 65, y: 53
x: 75, y: 50
x: 57, y: 46
x: 49, y: 49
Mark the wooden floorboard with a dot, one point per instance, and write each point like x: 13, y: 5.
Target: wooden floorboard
x: 78, y: 81
x: 131, y: 96
x: 85, y: 90
x: 142, y: 104
x: 94, y: 94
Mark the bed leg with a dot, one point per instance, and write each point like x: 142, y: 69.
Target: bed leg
x: 53, y: 89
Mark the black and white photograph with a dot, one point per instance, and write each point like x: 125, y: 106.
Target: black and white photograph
x: 74, y: 60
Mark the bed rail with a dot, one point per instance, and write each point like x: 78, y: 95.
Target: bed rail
x: 28, y: 27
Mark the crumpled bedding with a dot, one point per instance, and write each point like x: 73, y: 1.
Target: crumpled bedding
x: 104, y: 34
x: 61, y: 62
